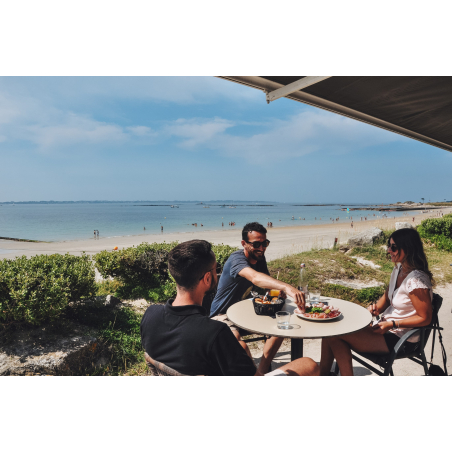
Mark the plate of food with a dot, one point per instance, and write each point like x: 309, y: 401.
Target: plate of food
x: 318, y: 312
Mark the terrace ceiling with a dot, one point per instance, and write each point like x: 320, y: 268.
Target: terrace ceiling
x: 417, y: 107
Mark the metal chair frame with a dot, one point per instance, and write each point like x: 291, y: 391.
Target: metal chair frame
x: 418, y: 355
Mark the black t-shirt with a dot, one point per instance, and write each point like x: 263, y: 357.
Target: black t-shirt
x: 183, y: 338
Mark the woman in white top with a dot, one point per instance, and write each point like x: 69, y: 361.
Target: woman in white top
x: 406, y: 304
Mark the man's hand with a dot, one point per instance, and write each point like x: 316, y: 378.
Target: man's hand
x: 381, y: 327
x: 298, y: 297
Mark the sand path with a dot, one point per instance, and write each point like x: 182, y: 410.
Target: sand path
x: 284, y: 240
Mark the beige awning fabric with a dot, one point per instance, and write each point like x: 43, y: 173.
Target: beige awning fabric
x: 416, y: 107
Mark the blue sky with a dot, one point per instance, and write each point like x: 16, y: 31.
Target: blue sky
x: 198, y: 138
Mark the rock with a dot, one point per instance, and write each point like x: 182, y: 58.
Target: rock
x: 365, y: 262
x: 403, y: 225
x: 355, y: 284
x: 100, y: 301
x: 111, y: 301
x: 344, y: 248
x: 39, y: 352
x: 364, y: 238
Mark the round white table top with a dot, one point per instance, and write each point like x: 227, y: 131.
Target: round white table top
x: 353, y: 318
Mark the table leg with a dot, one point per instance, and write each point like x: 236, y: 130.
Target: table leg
x: 296, y: 349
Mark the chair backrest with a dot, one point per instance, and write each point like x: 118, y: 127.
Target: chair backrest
x: 162, y: 370
x: 437, y: 302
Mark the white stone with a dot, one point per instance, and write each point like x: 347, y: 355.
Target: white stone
x: 365, y: 262
x: 355, y: 284
x: 403, y: 225
x: 366, y: 237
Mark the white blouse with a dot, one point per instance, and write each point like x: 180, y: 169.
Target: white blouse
x: 401, y: 306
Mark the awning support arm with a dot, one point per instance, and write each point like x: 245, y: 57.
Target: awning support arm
x: 295, y: 86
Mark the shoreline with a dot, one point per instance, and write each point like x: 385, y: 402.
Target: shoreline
x: 284, y: 239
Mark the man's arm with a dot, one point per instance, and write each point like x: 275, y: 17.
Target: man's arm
x: 267, y: 282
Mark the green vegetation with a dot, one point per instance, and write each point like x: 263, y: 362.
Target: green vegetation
x: 437, y: 231
x: 38, y: 289
x: 119, y: 330
x: 142, y: 271
x: 327, y: 264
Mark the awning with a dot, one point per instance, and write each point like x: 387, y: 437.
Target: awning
x: 417, y: 107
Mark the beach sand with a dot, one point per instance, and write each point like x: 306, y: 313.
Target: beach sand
x: 284, y: 240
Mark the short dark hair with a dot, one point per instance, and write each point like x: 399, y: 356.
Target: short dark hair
x: 189, y: 261
x: 250, y: 227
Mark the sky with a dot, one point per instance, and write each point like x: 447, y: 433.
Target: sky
x: 198, y: 138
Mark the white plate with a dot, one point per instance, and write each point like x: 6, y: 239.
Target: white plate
x: 302, y: 316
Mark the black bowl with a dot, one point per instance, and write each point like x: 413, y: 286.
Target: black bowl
x: 268, y: 309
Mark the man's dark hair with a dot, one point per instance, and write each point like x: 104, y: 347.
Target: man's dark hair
x: 189, y: 261
x: 250, y: 227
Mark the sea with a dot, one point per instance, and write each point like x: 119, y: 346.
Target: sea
x: 77, y: 220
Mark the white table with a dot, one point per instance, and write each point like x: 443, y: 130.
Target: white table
x: 353, y: 318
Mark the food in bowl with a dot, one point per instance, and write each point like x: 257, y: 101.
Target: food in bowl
x: 274, y: 300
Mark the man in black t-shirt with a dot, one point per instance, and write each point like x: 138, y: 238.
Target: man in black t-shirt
x: 181, y: 336
x: 242, y: 270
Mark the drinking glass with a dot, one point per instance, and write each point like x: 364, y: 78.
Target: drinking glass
x: 315, y: 296
x: 283, y: 319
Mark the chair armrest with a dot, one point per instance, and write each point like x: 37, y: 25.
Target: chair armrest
x: 400, y: 343
x: 404, y: 338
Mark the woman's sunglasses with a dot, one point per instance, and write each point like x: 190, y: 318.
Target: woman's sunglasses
x: 257, y: 245
x: 393, y: 247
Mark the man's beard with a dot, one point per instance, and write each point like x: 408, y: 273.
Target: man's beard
x: 258, y: 257
x: 213, y: 286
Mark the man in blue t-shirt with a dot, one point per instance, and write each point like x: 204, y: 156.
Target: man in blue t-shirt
x: 242, y: 270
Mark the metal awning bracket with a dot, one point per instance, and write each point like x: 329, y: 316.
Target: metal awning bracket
x: 294, y: 86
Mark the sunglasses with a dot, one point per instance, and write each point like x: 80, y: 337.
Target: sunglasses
x: 393, y: 247
x: 210, y: 271
x: 257, y: 245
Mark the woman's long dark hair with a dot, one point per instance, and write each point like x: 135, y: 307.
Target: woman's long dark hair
x: 408, y: 240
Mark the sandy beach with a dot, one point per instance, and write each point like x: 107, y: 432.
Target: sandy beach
x: 284, y: 240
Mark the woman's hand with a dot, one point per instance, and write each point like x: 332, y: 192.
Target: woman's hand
x: 372, y: 308
x: 381, y: 327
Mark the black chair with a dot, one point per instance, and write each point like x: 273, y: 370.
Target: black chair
x: 418, y: 355
x: 159, y: 369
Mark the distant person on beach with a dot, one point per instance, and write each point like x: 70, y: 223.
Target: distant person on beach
x: 94, y: 234
x: 97, y: 233
x: 242, y: 270
x: 161, y: 228
x: 181, y: 336
x: 144, y: 228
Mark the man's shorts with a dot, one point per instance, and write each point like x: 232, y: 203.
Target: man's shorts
x: 224, y: 318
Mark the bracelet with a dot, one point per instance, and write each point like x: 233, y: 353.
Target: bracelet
x: 398, y: 324
x: 393, y: 325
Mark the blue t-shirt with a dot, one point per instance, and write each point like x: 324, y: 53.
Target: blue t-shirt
x: 232, y: 286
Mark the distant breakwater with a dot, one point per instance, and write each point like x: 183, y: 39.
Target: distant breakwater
x: 20, y: 240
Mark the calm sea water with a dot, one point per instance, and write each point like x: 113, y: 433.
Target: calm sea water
x: 75, y: 221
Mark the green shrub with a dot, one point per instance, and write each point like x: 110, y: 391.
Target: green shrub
x: 143, y: 270
x: 438, y: 226
x: 362, y: 296
x: 440, y: 241
x: 38, y: 289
